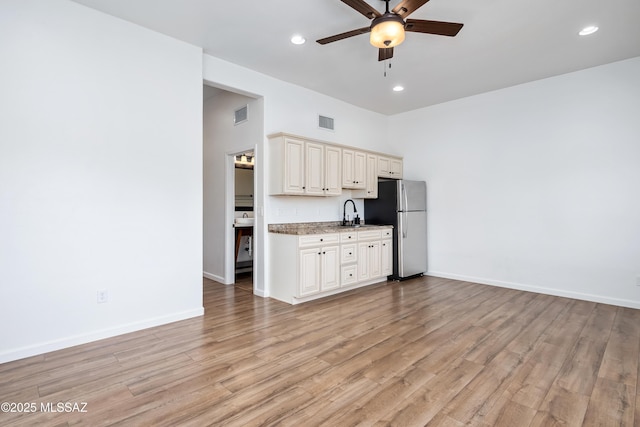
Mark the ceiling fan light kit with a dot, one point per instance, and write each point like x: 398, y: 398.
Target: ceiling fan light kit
x: 388, y: 29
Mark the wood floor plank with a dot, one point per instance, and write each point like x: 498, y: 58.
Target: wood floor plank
x: 611, y: 403
x: 426, y: 351
x: 624, y: 340
x: 429, y: 400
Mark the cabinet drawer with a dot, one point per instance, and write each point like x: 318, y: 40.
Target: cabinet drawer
x: 317, y: 239
x: 387, y: 233
x: 349, y: 275
x: 348, y: 253
x: 370, y: 235
x: 350, y: 236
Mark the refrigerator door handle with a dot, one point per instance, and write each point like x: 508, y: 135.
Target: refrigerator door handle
x: 404, y: 213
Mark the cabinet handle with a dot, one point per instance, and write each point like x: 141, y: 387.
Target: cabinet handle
x: 350, y: 253
x: 304, y: 188
x: 350, y: 275
x: 319, y: 253
x: 323, y: 253
x: 322, y: 240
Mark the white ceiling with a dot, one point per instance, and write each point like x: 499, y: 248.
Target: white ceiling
x: 502, y: 43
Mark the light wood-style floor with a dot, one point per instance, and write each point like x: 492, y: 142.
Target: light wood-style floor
x: 427, y: 351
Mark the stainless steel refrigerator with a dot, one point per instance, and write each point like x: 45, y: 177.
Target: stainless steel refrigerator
x: 402, y: 204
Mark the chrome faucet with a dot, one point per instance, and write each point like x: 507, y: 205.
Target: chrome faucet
x: 344, y: 213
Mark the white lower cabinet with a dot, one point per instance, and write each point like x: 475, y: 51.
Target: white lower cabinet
x: 319, y: 270
x: 369, y: 247
x: 327, y: 263
x: 386, y: 257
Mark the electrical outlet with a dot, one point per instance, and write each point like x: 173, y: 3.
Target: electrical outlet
x: 103, y: 296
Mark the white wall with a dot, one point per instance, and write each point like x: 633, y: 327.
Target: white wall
x: 535, y: 186
x: 292, y: 109
x: 100, y: 177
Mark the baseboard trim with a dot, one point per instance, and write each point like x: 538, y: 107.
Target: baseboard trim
x: 215, y: 277
x: 66, y: 342
x: 538, y: 289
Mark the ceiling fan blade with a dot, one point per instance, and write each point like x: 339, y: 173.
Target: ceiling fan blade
x: 407, y: 7
x: 362, y: 7
x: 341, y: 36
x: 385, y: 53
x: 433, y: 27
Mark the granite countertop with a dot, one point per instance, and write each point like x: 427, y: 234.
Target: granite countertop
x: 302, y: 228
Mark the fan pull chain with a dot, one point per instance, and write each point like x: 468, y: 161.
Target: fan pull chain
x: 385, y: 67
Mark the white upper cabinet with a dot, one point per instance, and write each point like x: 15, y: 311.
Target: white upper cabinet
x: 332, y: 171
x: 353, y: 169
x: 300, y: 167
x: 287, y: 161
x: 389, y: 167
x: 370, y: 190
x: 314, y: 165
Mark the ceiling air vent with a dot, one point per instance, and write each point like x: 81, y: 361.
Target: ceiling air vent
x: 325, y: 123
x: 240, y: 115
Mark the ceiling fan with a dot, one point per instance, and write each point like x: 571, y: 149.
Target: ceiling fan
x: 387, y: 30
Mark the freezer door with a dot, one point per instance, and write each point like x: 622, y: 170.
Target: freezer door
x: 412, y: 195
x: 412, y: 243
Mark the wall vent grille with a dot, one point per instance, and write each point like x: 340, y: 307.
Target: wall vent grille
x: 325, y: 122
x: 240, y: 115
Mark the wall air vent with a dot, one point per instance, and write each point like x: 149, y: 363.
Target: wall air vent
x: 325, y: 123
x: 240, y: 115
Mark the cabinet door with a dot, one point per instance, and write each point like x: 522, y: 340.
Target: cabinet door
x: 372, y: 177
x: 359, y: 169
x: 395, y: 170
x: 384, y: 167
x: 330, y: 270
x: 375, y: 266
x: 293, y: 166
x: 309, y: 282
x: 347, y: 168
x: 386, y: 258
x: 363, y: 261
x: 314, y: 165
x: 333, y: 171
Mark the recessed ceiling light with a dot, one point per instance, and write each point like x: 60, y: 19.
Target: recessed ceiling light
x: 398, y: 88
x: 588, y: 30
x: 298, y: 39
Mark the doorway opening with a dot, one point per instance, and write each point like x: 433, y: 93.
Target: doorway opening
x: 244, y: 218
